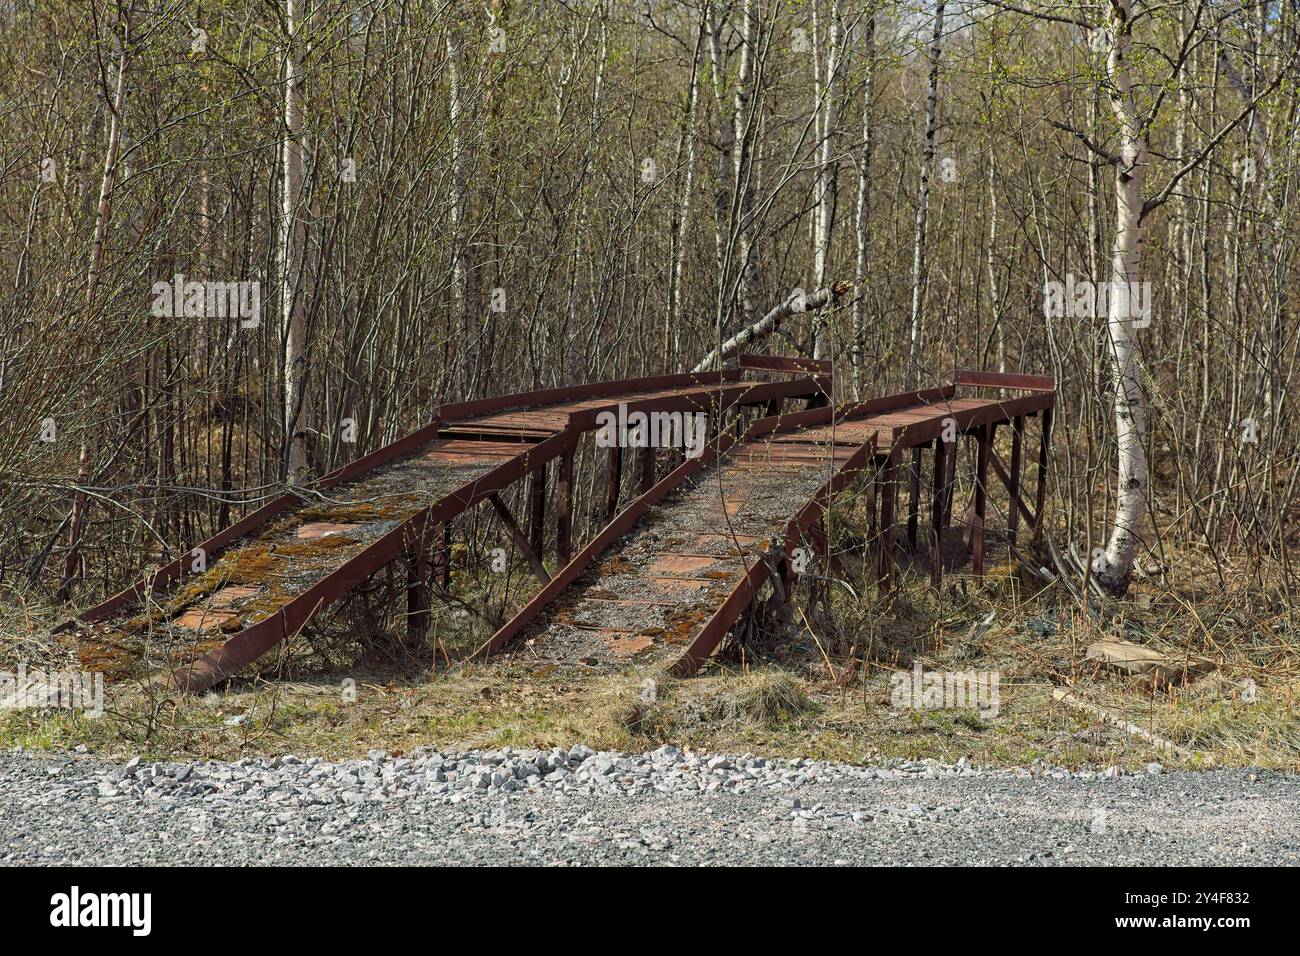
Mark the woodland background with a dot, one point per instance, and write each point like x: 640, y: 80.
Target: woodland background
x: 551, y: 193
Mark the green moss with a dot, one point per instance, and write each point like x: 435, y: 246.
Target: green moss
x: 313, y: 548
x: 360, y: 512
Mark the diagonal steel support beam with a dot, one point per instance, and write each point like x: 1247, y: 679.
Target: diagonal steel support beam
x: 1000, y: 469
x: 520, y: 539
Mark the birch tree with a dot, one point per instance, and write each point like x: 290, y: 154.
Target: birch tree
x: 687, y: 156
x: 917, y: 318
x: 1126, y: 274
x: 466, y: 292
x: 115, y: 103
x: 828, y: 95
x: 1113, y: 564
x: 293, y: 240
x: 735, y: 225
x: 862, y: 208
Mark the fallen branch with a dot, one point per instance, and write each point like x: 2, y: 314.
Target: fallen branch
x: 1037, y: 570
x: 796, y: 304
x: 1063, y: 570
x: 1066, y: 697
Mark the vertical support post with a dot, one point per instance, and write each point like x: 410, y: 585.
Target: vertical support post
x: 647, y: 468
x: 417, y: 593
x: 564, y: 509
x: 537, y: 511
x: 821, y: 538
x: 815, y: 536
x: 888, y: 499
x: 873, y: 495
x: 1017, y: 439
x: 1040, y: 496
x: 938, y: 503
x: 950, y: 487
x: 914, y: 495
x: 444, y: 557
x: 615, y: 482
x: 981, y: 502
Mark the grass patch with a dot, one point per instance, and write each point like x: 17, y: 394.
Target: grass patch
x: 803, y: 698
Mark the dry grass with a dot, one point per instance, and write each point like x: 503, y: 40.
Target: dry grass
x: 801, y: 699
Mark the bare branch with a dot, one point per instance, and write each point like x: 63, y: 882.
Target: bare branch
x: 1163, y: 195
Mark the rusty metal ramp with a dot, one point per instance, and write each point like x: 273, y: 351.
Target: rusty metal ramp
x: 669, y: 577
x: 268, y: 583
x: 234, y: 596
x: 664, y: 579
x: 653, y: 594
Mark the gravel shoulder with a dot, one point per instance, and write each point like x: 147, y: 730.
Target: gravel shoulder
x: 661, y: 808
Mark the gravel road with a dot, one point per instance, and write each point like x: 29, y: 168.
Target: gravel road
x: 660, y: 808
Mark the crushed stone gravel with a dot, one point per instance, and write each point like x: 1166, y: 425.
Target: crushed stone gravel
x: 665, y: 807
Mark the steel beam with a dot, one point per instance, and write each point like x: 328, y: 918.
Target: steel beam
x: 564, y: 509
x: 519, y: 538
x: 1013, y: 480
x: 938, y: 495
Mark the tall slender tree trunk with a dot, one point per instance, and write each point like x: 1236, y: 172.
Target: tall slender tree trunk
x: 746, y: 135
x: 1126, y: 273
x: 573, y: 326
x: 862, y: 213
x: 722, y: 186
x: 917, y: 321
x: 735, y: 228
x: 103, y: 211
x: 687, y: 152
x: 292, y: 243
x: 990, y: 254
x: 828, y: 173
x: 1207, y: 297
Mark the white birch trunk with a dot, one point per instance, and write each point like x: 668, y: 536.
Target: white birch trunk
x: 862, y: 217
x: 827, y: 194
x: 916, y: 324
x: 466, y: 295
x: 1126, y: 272
x: 751, y: 36
x: 292, y: 241
x: 990, y: 254
x: 722, y: 188
x: 689, y: 147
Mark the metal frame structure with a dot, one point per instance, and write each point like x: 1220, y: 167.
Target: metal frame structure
x: 872, y: 437
x: 879, y: 431
x: 549, y: 423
